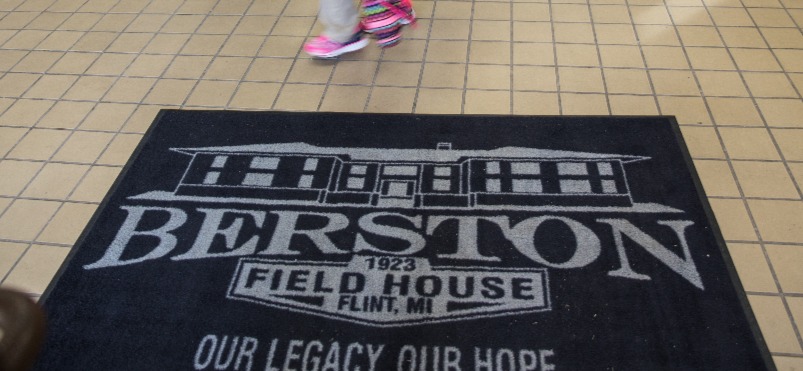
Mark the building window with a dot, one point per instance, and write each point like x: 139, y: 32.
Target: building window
x: 358, y: 170
x: 265, y: 163
x: 442, y: 179
x: 258, y: 179
x: 212, y: 177
x: 442, y: 185
x: 493, y: 185
x: 311, y: 164
x: 355, y: 182
x: 492, y: 167
x: 400, y: 170
x: 525, y: 168
x: 572, y: 168
x: 575, y: 186
x: 264, y: 178
x: 527, y: 186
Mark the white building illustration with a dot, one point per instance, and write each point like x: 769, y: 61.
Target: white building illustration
x: 506, y: 177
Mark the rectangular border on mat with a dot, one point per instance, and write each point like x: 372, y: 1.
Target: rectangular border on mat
x: 671, y: 120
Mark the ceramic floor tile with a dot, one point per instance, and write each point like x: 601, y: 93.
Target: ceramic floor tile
x: 120, y: 149
x: 345, y: 98
x: 255, y: 95
x: 717, y: 178
x: 719, y: 83
x: 67, y: 224
x: 755, y: 60
x: 453, y: 10
x: 9, y: 137
x: 763, y: 179
x: 674, y: 82
x: 491, y: 52
x: 24, y: 219
x: 577, y: 55
x: 710, y: 58
x: 533, y: 103
x: 55, y: 181
x: 439, y: 101
x: 300, y: 97
x: 774, y: 323
x: 398, y: 74
x: 494, y: 10
x: 26, y: 112
x: 632, y: 105
x: 108, y: 116
x: 580, y: 33
x: 688, y: 110
x: 227, y: 68
x: 83, y: 147
x: 281, y: 46
x: 487, y: 102
x: 39, y: 144
x: 36, y: 268
x: 488, y: 77
x: 408, y: 51
x: 530, y: 12
x: 749, y: 144
x: 10, y: 252
x: 583, y: 104
x: 533, y: 54
x: 778, y: 221
x: 95, y: 183
x: 735, y: 111
x: 391, y: 100
x: 789, y: 141
x: 269, y: 69
x: 212, y: 93
x: 532, y: 31
x: 786, y: 261
x: 782, y: 112
x: 615, y: 34
x: 22, y: 171
x: 354, y: 72
x: 754, y: 272
x: 534, y: 78
x: 733, y: 220
x: 490, y: 30
x: 438, y: 75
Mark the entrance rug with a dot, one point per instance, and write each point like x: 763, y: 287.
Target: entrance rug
x: 322, y: 241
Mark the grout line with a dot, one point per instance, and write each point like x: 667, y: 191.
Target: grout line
x: 468, y: 56
x: 555, y: 60
x: 425, y: 55
x: 599, y: 60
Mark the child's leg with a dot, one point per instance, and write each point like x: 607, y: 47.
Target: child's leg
x: 341, y: 34
x: 339, y: 18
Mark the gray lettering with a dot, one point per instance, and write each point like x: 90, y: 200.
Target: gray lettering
x: 587, y: 248
x: 467, y: 244
x: 211, y: 228
x: 684, y: 267
x: 367, y: 224
x: 167, y: 241
x: 286, y: 227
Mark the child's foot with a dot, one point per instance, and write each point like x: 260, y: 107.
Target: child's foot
x: 385, y: 19
x: 324, y: 47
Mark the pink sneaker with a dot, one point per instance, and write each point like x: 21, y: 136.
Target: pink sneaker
x: 385, y: 19
x: 324, y: 47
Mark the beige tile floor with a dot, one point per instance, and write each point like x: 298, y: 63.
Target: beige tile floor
x: 81, y: 81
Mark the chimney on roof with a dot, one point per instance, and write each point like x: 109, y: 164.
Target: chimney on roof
x: 444, y: 145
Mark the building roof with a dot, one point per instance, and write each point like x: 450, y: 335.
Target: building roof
x: 409, y: 155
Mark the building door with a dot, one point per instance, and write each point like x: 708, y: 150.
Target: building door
x: 397, y: 193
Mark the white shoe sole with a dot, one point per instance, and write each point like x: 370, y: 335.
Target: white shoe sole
x: 346, y: 49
